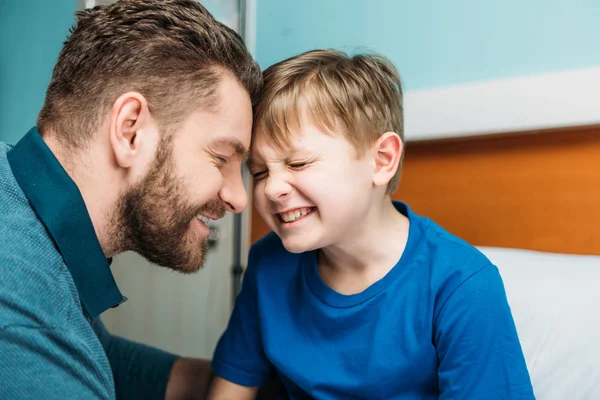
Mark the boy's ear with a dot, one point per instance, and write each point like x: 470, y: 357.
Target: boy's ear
x: 388, y: 152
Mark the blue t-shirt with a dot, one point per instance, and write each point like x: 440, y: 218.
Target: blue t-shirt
x: 437, y: 326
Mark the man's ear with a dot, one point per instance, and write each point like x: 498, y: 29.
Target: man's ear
x: 133, y: 133
x: 388, y: 152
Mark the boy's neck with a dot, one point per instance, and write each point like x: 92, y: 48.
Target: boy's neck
x: 357, y: 262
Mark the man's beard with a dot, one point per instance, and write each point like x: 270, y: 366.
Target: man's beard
x: 154, y: 218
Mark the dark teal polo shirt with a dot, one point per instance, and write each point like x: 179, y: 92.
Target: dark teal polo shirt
x: 55, y: 284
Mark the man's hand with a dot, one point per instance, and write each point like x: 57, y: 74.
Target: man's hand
x: 189, y: 380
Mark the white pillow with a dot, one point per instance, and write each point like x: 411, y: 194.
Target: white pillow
x: 555, y: 301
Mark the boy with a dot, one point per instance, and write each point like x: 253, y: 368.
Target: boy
x: 354, y: 296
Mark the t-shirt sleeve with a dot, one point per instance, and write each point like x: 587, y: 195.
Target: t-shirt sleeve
x: 479, y: 352
x: 239, y: 356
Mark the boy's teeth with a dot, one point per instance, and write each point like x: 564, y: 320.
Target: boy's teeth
x: 292, y: 216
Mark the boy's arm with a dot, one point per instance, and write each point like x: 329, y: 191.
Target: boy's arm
x: 189, y: 379
x: 479, y: 352
x: 222, y: 389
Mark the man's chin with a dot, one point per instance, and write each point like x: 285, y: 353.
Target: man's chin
x: 184, y: 253
x: 185, y: 264
x: 191, y: 265
x: 188, y: 269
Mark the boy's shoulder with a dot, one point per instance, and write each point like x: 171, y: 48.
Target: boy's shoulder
x: 443, y: 251
x: 446, y: 243
x: 447, y: 261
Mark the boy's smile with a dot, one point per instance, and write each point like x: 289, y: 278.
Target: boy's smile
x: 295, y: 214
x: 313, y: 193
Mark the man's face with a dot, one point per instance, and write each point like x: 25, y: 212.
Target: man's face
x: 195, y: 177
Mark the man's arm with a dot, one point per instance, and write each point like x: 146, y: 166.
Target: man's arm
x: 50, y: 363
x: 141, y: 371
x: 222, y: 389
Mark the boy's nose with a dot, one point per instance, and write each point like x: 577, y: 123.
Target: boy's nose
x: 276, y: 189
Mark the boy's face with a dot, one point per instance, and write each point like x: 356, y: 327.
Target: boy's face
x: 314, y: 194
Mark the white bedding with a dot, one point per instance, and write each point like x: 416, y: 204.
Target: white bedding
x: 555, y: 301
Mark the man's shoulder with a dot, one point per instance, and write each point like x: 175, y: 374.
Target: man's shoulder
x: 5, y: 147
x: 22, y: 234
x: 37, y: 288
x: 10, y: 191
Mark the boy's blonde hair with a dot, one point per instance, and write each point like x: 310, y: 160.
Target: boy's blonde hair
x: 359, y: 96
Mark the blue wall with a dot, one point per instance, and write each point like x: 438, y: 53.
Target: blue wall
x: 454, y: 42
x: 31, y: 35
x: 439, y: 42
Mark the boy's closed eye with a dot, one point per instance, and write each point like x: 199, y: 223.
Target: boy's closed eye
x: 258, y: 175
x: 298, y: 165
x: 260, y: 172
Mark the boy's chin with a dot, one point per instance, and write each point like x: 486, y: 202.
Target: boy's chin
x: 298, y: 245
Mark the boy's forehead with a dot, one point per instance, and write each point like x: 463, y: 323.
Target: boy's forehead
x: 290, y: 138
x: 264, y: 148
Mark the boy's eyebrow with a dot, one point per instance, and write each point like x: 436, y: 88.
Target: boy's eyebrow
x: 292, y: 152
x: 233, y: 143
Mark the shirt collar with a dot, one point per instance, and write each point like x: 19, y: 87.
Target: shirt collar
x: 56, y: 200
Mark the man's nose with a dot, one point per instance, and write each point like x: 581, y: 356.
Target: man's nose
x: 233, y: 194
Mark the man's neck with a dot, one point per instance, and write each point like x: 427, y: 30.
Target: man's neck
x: 86, y: 170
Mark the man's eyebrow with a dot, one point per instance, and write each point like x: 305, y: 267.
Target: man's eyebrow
x: 234, y: 143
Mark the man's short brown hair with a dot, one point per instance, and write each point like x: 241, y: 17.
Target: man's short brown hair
x: 359, y: 96
x: 173, y: 52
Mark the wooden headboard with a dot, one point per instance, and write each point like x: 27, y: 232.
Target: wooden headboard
x: 533, y: 190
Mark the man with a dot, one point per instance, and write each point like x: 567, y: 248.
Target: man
x: 140, y: 142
